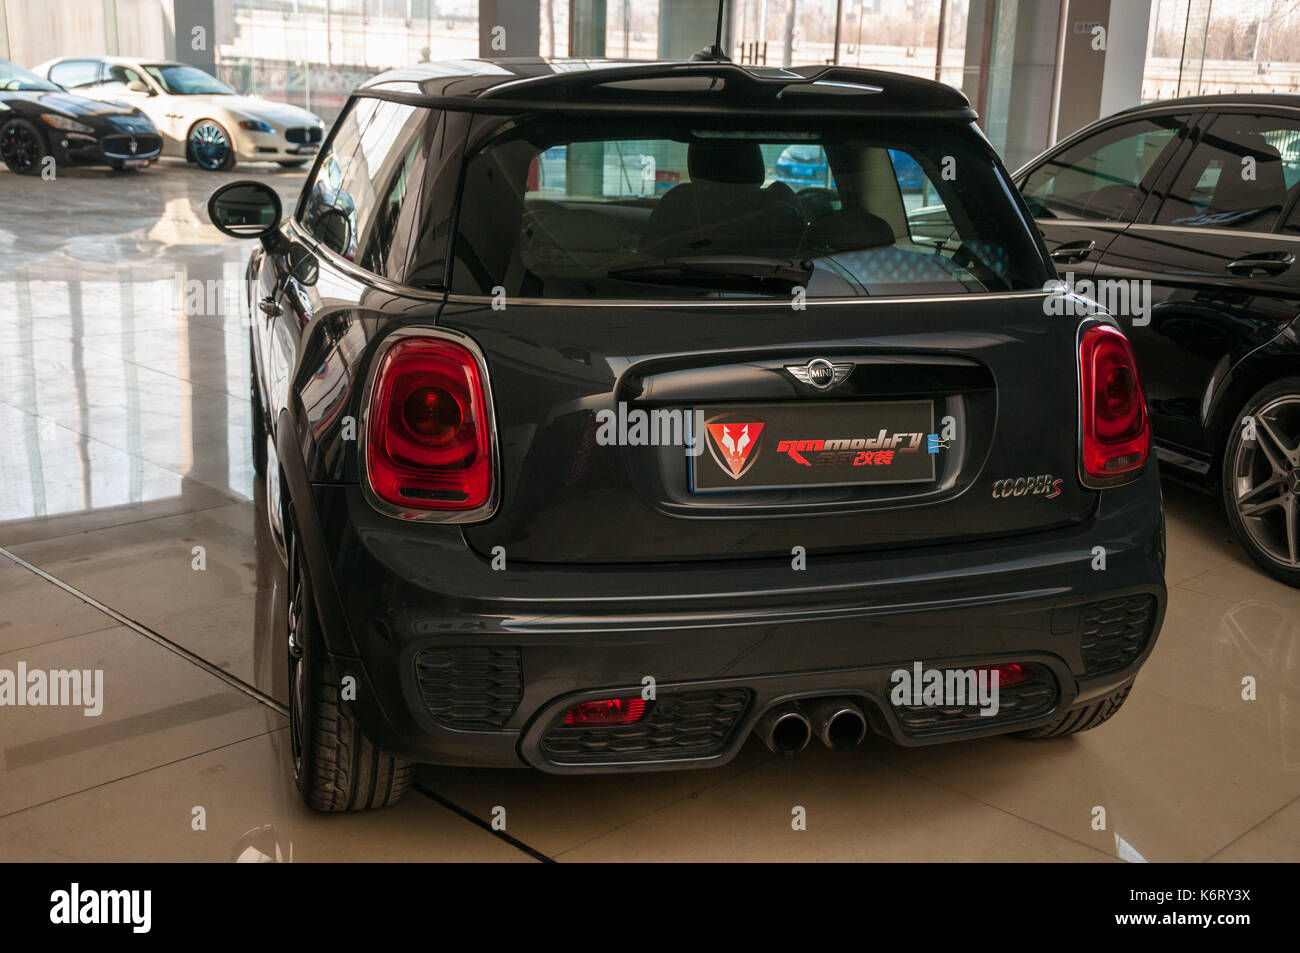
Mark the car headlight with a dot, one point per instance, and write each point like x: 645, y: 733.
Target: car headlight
x: 254, y: 125
x: 66, y: 124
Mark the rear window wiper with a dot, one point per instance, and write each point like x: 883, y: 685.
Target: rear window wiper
x: 719, y: 270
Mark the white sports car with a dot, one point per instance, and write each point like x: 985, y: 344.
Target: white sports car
x: 200, y: 117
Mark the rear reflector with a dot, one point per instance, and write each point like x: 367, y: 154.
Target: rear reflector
x: 1116, y: 429
x: 427, y: 440
x: 1009, y: 675
x: 606, y: 711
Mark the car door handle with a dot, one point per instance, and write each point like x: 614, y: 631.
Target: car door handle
x: 1255, y: 265
x: 270, y: 308
x: 1072, y: 252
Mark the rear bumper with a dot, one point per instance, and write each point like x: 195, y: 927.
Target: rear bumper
x: 752, y: 633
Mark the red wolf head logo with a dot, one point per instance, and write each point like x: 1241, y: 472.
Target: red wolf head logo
x: 735, y: 445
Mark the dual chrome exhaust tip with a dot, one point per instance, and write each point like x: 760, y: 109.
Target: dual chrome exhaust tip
x: 787, y: 729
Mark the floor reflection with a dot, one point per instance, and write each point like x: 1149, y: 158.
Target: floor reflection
x: 1261, y: 642
x: 123, y: 367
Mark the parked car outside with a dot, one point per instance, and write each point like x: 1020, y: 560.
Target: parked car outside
x: 40, y: 120
x: 201, y: 118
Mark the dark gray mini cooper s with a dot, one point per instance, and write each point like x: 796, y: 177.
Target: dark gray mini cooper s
x: 611, y: 413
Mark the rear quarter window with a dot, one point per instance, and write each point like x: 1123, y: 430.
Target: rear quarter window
x: 363, y: 196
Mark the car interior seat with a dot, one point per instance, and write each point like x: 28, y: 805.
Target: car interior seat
x: 724, y: 209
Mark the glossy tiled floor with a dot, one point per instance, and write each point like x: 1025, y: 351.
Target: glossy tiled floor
x: 123, y: 401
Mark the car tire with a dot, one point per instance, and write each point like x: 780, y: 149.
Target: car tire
x: 291, y: 164
x: 22, y: 147
x: 335, y: 766
x: 1082, y: 718
x: 210, y: 146
x: 1259, y: 480
x: 260, y: 429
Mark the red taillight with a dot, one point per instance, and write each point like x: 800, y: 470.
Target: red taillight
x: 1009, y: 675
x: 1116, y: 431
x: 606, y: 711
x: 427, y: 440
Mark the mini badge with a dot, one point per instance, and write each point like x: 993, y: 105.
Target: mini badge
x: 734, y: 444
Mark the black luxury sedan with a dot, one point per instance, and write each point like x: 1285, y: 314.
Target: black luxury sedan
x: 1185, y: 211
x: 39, y: 119
x: 590, y: 445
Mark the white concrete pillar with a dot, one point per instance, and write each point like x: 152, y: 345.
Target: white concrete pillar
x: 516, y: 24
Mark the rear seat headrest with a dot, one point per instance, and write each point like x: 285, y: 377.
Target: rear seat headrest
x: 729, y: 161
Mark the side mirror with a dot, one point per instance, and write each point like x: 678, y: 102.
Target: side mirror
x: 138, y: 86
x: 245, y: 209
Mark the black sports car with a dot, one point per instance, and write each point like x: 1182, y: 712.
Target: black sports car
x: 40, y: 119
x: 591, y: 445
x: 1185, y: 211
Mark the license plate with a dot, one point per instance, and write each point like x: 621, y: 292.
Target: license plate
x: 785, y: 446
x: 305, y: 150
x: 134, y: 163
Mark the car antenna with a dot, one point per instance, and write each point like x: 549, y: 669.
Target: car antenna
x: 713, y: 53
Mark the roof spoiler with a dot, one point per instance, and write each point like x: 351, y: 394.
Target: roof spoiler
x: 752, y: 83
x: 704, y: 86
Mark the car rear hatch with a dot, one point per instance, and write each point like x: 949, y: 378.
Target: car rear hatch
x: 830, y: 292
x: 990, y: 378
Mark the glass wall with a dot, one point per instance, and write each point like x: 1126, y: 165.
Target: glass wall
x: 632, y: 29
x: 314, y: 52
x: 901, y: 37
x: 1222, y: 46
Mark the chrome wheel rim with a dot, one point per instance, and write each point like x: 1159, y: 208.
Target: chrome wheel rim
x: 19, y: 148
x: 209, y: 145
x: 1266, y: 481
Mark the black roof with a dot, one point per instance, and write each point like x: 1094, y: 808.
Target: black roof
x: 608, y: 85
x: 1247, y: 100
x: 1291, y: 100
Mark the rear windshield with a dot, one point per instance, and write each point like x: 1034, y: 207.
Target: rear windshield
x: 677, y: 208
